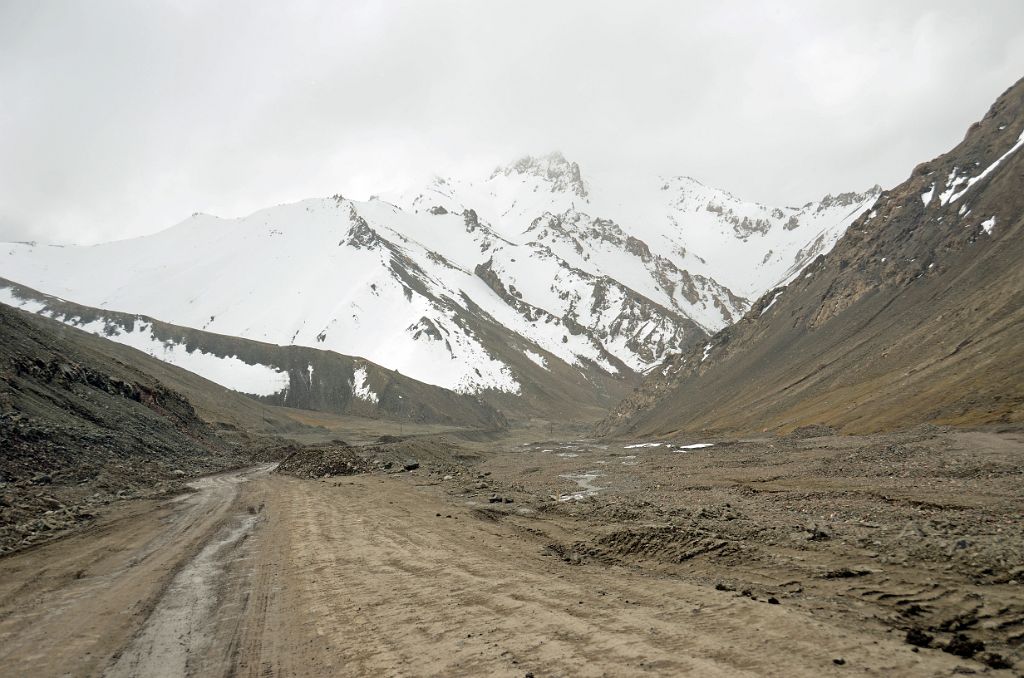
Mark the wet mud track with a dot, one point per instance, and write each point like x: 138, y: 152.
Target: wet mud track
x: 258, y: 574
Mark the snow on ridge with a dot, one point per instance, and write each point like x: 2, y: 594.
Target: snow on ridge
x: 386, y: 279
x: 228, y: 371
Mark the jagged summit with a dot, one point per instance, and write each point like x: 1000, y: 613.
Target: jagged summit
x: 561, y: 174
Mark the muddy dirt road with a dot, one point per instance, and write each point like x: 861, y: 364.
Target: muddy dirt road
x: 259, y: 574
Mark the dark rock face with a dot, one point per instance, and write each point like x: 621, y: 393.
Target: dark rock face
x: 917, y: 314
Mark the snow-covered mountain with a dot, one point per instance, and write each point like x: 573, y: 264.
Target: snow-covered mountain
x: 476, y: 286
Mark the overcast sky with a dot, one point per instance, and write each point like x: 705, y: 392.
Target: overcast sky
x: 122, y: 118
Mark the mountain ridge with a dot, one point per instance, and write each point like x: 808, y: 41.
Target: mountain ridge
x: 558, y: 270
x: 913, y: 317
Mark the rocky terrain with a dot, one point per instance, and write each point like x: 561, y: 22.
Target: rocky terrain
x: 80, y: 429
x: 915, y: 316
x: 806, y: 555
x: 322, y: 461
x: 916, y: 534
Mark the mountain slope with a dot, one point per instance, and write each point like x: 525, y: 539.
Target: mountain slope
x: 534, y: 287
x: 292, y: 376
x: 80, y: 427
x: 916, y: 315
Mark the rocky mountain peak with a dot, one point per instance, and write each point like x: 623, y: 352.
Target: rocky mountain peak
x: 563, y: 175
x: 847, y: 199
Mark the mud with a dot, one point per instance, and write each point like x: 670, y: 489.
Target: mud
x: 805, y: 556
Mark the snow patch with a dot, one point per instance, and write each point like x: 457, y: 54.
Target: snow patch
x: 988, y: 225
x: 955, y: 181
x: 360, y: 387
x: 585, y: 480
x: 230, y: 372
x: 770, y: 304
x: 926, y: 197
x: 536, y: 357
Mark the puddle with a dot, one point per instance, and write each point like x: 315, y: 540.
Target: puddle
x: 695, y: 446
x: 179, y: 624
x: 585, y: 480
x: 637, y: 445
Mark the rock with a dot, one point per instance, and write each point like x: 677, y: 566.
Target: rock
x: 845, y: 573
x: 51, y: 502
x: 42, y: 479
x: 178, y: 473
x: 962, y: 646
x: 773, y: 601
x: 994, y: 660
x: 410, y: 465
x: 818, y: 533
x: 919, y: 638
x: 494, y: 499
x: 839, y: 661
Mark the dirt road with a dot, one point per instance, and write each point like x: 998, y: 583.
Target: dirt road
x: 258, y: 574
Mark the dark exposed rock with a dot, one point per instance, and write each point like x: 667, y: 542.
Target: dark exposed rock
x: 919, y: 638
x: 962, y: 646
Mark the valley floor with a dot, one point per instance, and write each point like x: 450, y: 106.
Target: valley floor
x: 785, y: 557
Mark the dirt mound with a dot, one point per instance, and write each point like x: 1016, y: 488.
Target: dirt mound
x: 325, y: 460
x: 437, y: 452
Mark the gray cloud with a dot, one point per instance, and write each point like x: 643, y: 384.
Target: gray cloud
x: 121, y: 118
